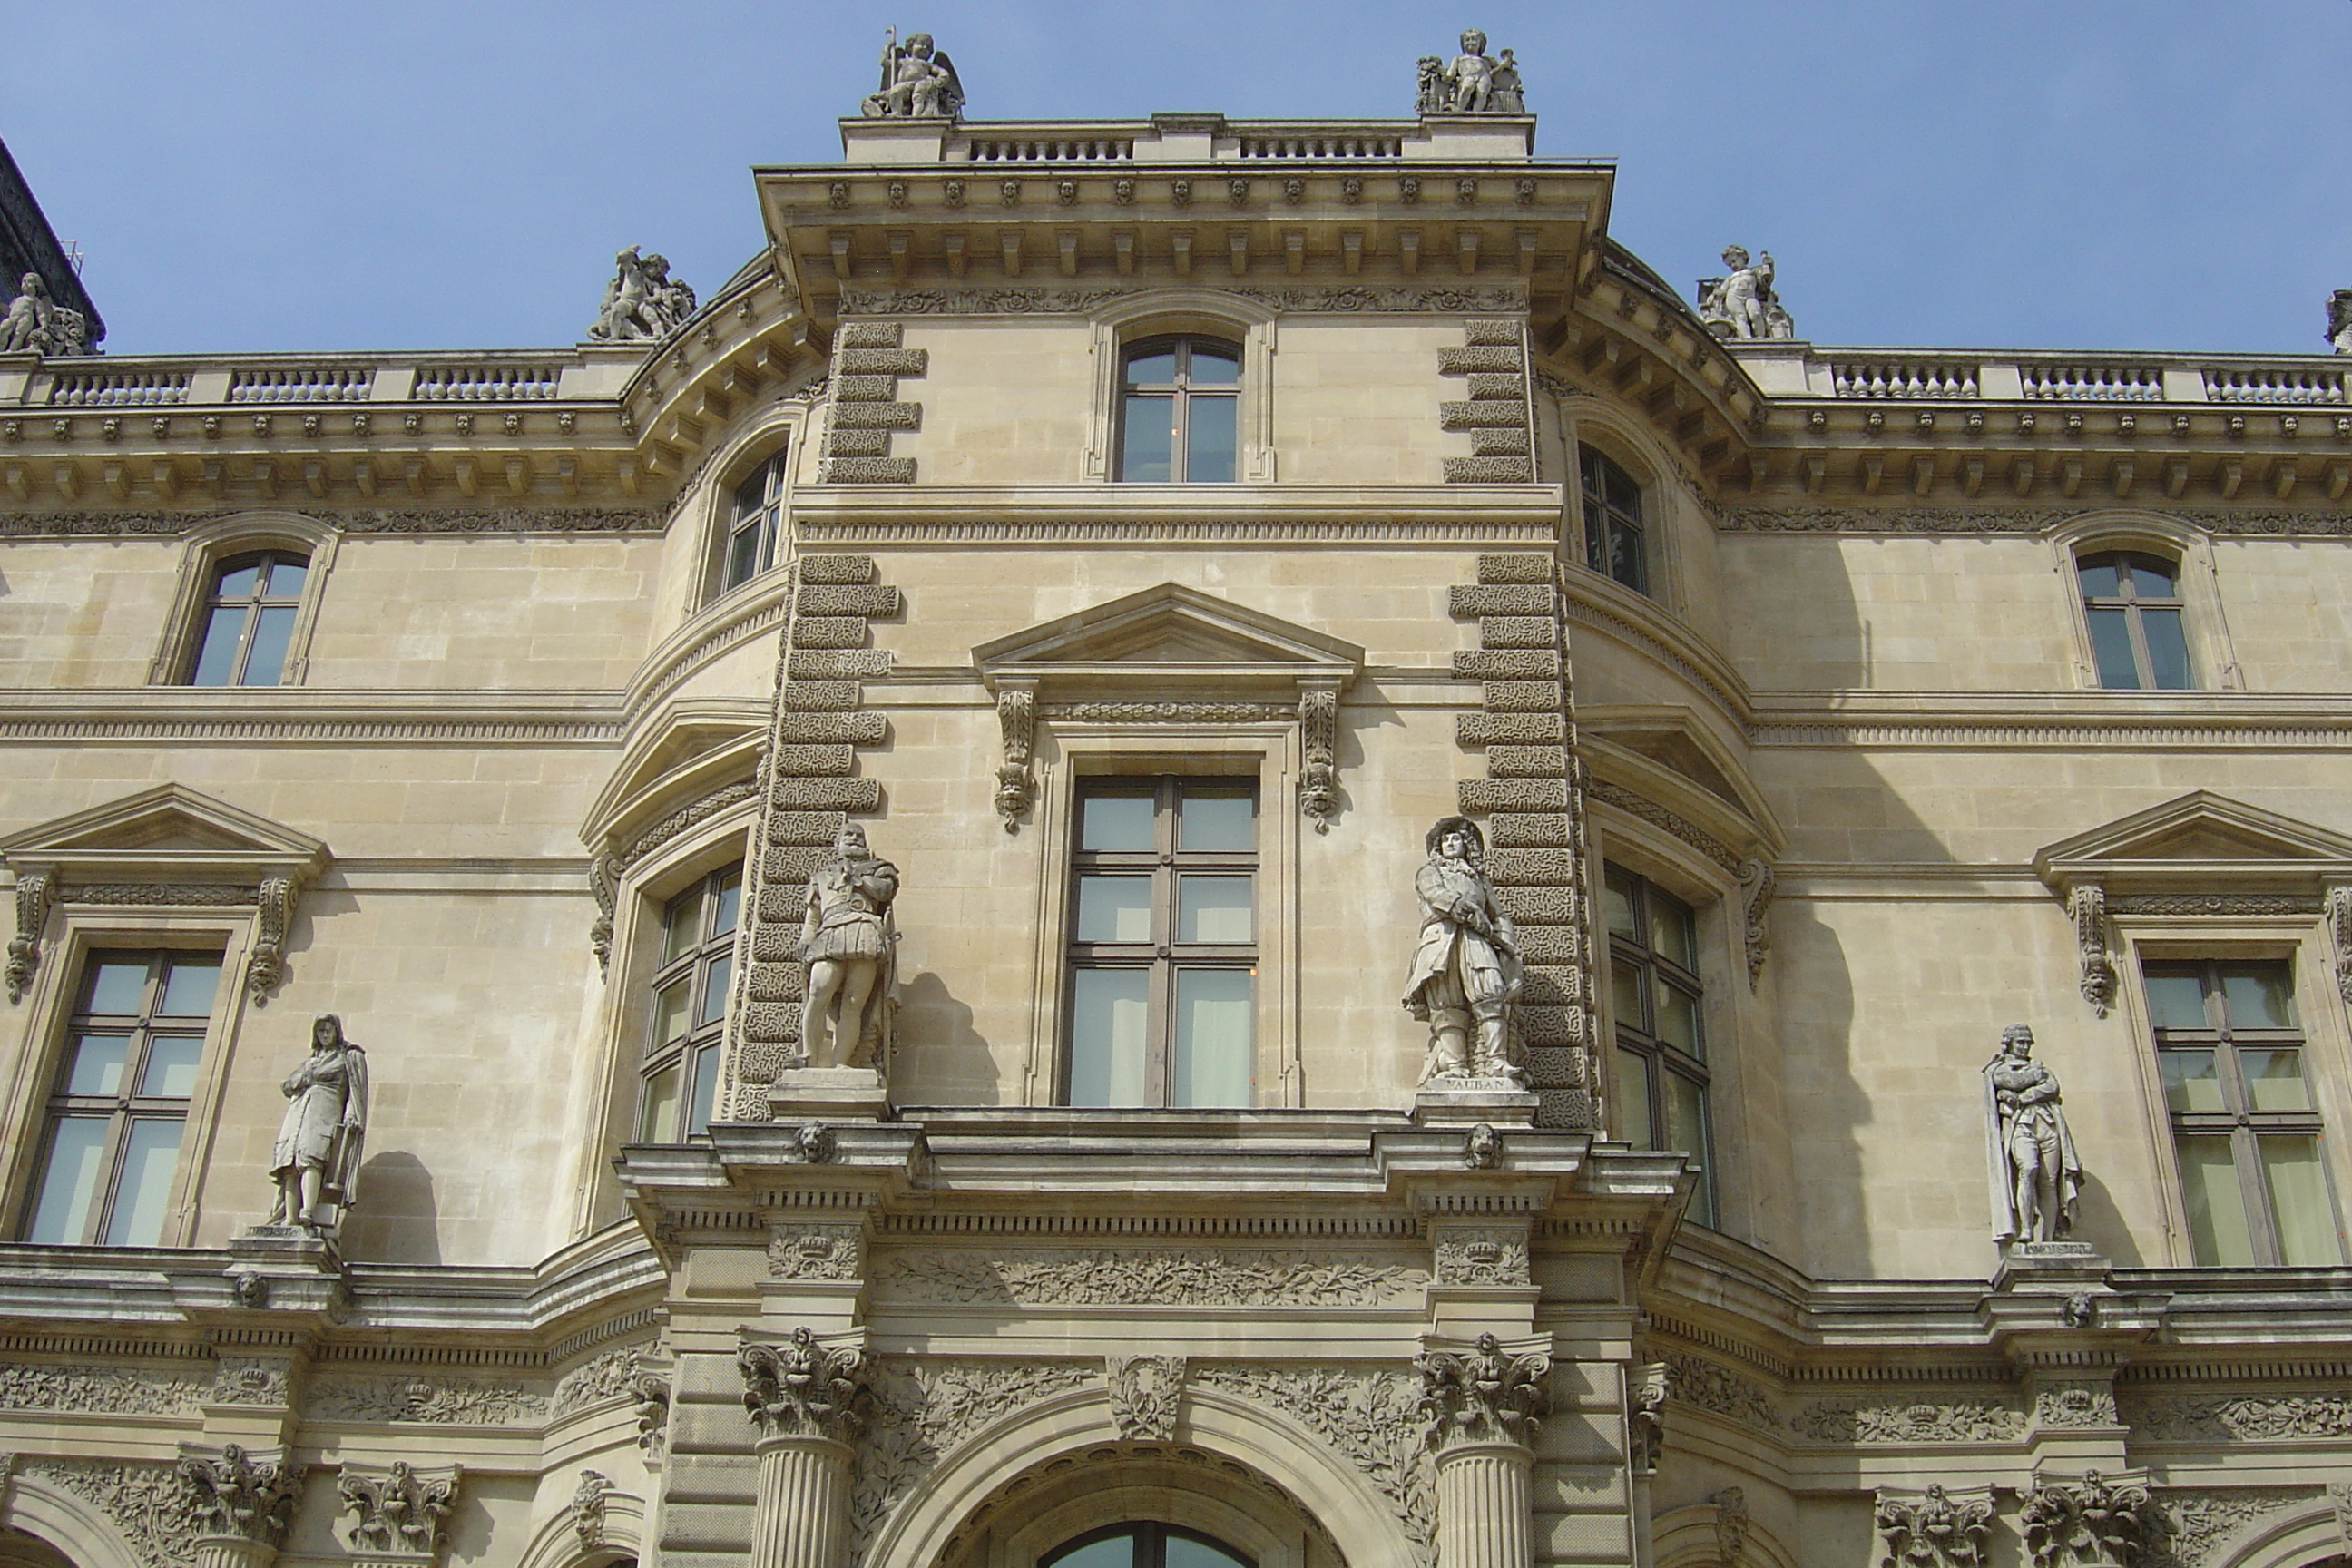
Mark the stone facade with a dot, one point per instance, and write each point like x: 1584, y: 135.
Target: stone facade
x: 1843, y: 707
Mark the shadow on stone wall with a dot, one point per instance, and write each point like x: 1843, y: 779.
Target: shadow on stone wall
x: 397, y: 1219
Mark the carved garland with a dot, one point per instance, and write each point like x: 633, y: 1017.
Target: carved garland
x: 2089, y: 905
x: 1016, y: 717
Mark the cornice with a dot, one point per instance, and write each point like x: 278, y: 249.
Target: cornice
x: 137, y: 523
x: 2317, y: 522
x: 254, y: 716
x: 2171, y: 720
x: 1447, y: 516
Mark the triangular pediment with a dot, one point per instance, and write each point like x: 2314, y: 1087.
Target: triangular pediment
x: 2200, y: 837
x: 167, y: 828
x: 1169, y: 633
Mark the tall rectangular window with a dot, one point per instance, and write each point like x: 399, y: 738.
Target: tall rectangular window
x: 756, y: 519
x: 2132, y: 604
x: 1615, y: 541
x: 680, y: 1071
x: 2244, y: 1129
x: 120, y: 1101
x: 249, y: 620
x: 1179, y: 408
x: 1163, y: 944
x: 1654, y: 990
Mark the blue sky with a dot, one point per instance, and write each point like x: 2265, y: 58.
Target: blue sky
x: 270, y: 175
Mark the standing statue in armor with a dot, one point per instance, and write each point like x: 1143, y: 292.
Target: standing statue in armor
x: 848, y: 943
x: 1465, y: 968
x: 919, y: 82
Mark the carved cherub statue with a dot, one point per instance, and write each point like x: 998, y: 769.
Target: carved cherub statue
x: 1470, y: 79
x: 2339, y: 321
x: 919, y: 82
x: 1742, y: 305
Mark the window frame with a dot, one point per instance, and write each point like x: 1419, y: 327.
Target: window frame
x: 774, y: 474
x: 1183, y: 394
x: 2125, y: 560
x: 1119, y: 324
x: 1641, y: 1038
x: 1164, y: 955
x: 702, y: 1047
x: 212, y: 548
x: 1644, y: 524
x: 1151, y: 1543
x: 2205, y: 625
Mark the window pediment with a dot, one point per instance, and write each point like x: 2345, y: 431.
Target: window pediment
x: 1165, y: 638
x: 2199, y: 842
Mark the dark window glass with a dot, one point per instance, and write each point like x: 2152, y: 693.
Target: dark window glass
x: 1615, y: 545
x: 119, y: 1102
x: 679, y: 1091
x: 1180, y: 411
x: 1654, y: 993
x: 2133, y: 605
x: 1145, y: 1545
x: 755, y: 519
x: 2246, y: 1135
x: 249, y: 620
x: 1163, y: 944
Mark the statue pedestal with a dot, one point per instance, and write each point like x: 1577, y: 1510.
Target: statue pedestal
x: 1464, y: 1102
x: 282, y: 1247
x: 2047, y: 1263
x: 828, y: 1094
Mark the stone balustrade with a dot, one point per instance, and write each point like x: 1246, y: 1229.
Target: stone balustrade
x: 1800, y: 371
x: 195, y: 382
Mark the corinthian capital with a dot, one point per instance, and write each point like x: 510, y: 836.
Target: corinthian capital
x: 802, y: 1389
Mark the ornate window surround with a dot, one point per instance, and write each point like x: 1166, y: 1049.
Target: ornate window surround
x: 1240, y: 1517
x: 1590, y: 422
x: 783, y: 427
x: 208, y: 545
x: 1237, y: 318
x: 2288, y: 896
x: 2213, y: 657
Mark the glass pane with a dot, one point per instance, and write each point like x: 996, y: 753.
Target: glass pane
x: 238, y: 581
x: 752, y: 494
x: 2175, y: 999
x: 216, y: 653
x: 148, y: 1156
x: 1186, y: 1553
x: 1672, y: 931
x: 727, y: 904
x: 98, y: 1062
x: 1624, y: 494
x: 2168, y: 652
x: 2257, y: 997
x: 1617, y: 899
x: 2111, y: 648
x: 1111, y: 1552
x: 1107, y: 1020
x: 2151, y: 578
x: 2217, y: 1209
x: 2191, y: 1081
x: 169, y: 1072
x: 1633, y: 1099
x: 1677, y: 1018
x: 1213, y: 1037
x: 69, y: 1184
x: 1214, y: 909
x: 2273, y: 1079
x: 1115, y: 822
x: 286, y: 579
x: 659, y: 1123
x: 714, y: 988
x: 1220, y: 821
x: 1214, y: 364
x: 1686, y: 1109
x: 1211, y: 440
x: 1152, y: 369
x: 1625, y: 562
x: 2098, y: 578
x: 1596, y: 536
x: 682, y: 924
x: 271, y: 631
x: 1114, y: 908
x: 670, y: 1010
x: 2307, y: 1220
x: 1625, y: 994
x: 743, y: 556
x: 188, y: 987
x: 706, y: 1090
x: 1149, y: 437
x: 117, y: 983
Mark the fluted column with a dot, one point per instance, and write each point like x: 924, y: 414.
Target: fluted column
x: 1483, y: 1518
x: 805, y: 1399
x: 233, y: 1552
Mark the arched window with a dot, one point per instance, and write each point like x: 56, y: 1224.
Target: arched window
x: 1144, y: 1546
x: 680, y: 1070
x: 755, y: 518
x: 248, y: 619
x: 1180, y: 400
x: 1615, y: 542
x: 2132, y: 604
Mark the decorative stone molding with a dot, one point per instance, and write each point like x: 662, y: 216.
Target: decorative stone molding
x: 1168, y: 713
x: 398, y: 1513
x: 1370, y: 1417
x: 587, y: 1508
x: 2089, y: 905
x: 867, y: 361
x: 2339, y: 935
x: 434, y: 1401
x: 241, y: 1494
x: 1305, y: 299
x: 1318, y: 781
x: 1482, y: 1397
x: 443, y: 520
x: 1498, y: 415
x: 1657, y: 816
x: 2072, y: 1402
x: 33, y: 891
x: 1537, y: 847
x: 1016, y: 718
x: 1484, y: 1257
x: 101, y: 1390
x: 607, y: 1377
x: 1704, y: 1385
x: 2091, y: 1523
x: 1934, y: 1531
x: 2252, y: 1417
x: 827, y: 1253
x: 1757, y: 886
x: 150, y: 1504
x: 804, y: 1389
x: 265, y: 966
x: 2215, y: 906
x: 1146, y: 1392
x: 1914, y: 1420
x: 1117, y: 1276
x: 2326, y: 523
x: 1645, y: 1417
x: 604, y: 885
x: 2200, y: 1522
x: 1731, y: 1526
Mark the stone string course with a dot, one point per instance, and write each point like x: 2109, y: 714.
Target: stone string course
x: 1532, y: 801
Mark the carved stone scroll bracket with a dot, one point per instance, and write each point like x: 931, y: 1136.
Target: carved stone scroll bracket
x: 1318, y: 733
x: 1016, y: 718
x: 2339, y: 1494
x: 265, y: 966
x: 2088, y: 904
x: 1757, y: 886
x: 604, y: 885
x: 1938, y: 1529
x: 35, y: 892
x: 2094, y: 1522
x: 1646, y: 1418
x: 1146, y: 1393
x: 397, y: 1514
x: 2339, y: 935
x: 243, y: 1499
x: 651, y: 1392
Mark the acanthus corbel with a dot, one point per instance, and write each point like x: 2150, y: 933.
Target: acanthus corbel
x: 2339, y: 935
x: 604, y: 885
x: 35, y: 889
x: 265, y: 967
x: 2088, y: 904
x: 1318, y: 735
x: 1757, y: 886
x: 1016, y: 717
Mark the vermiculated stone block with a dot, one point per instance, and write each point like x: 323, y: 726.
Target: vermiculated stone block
x: 1506, y: 664
x: 1468, y: 602
x: 872, y: 599
x: 1527, y: 762
x: 1510, y: 729
x: 836, y: 664
x: 842, y: 569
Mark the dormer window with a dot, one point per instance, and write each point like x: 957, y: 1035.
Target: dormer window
x: 1180, y: 411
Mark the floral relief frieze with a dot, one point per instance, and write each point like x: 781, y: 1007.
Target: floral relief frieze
x: 1997, y: 519
x: 103, y: 1390
x: 1117, y: 1277
x: 1372, y: 1418
x: 448, y: 1401
x: 154, y: 1509
x: 2075, y: 1404
x: 612, y: 1375
x: 2187, y: 1419
x: 2200, y: 1521
x: 1703, y: 1384
x: 1898, y: 1420
x: 1483, y: 1258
